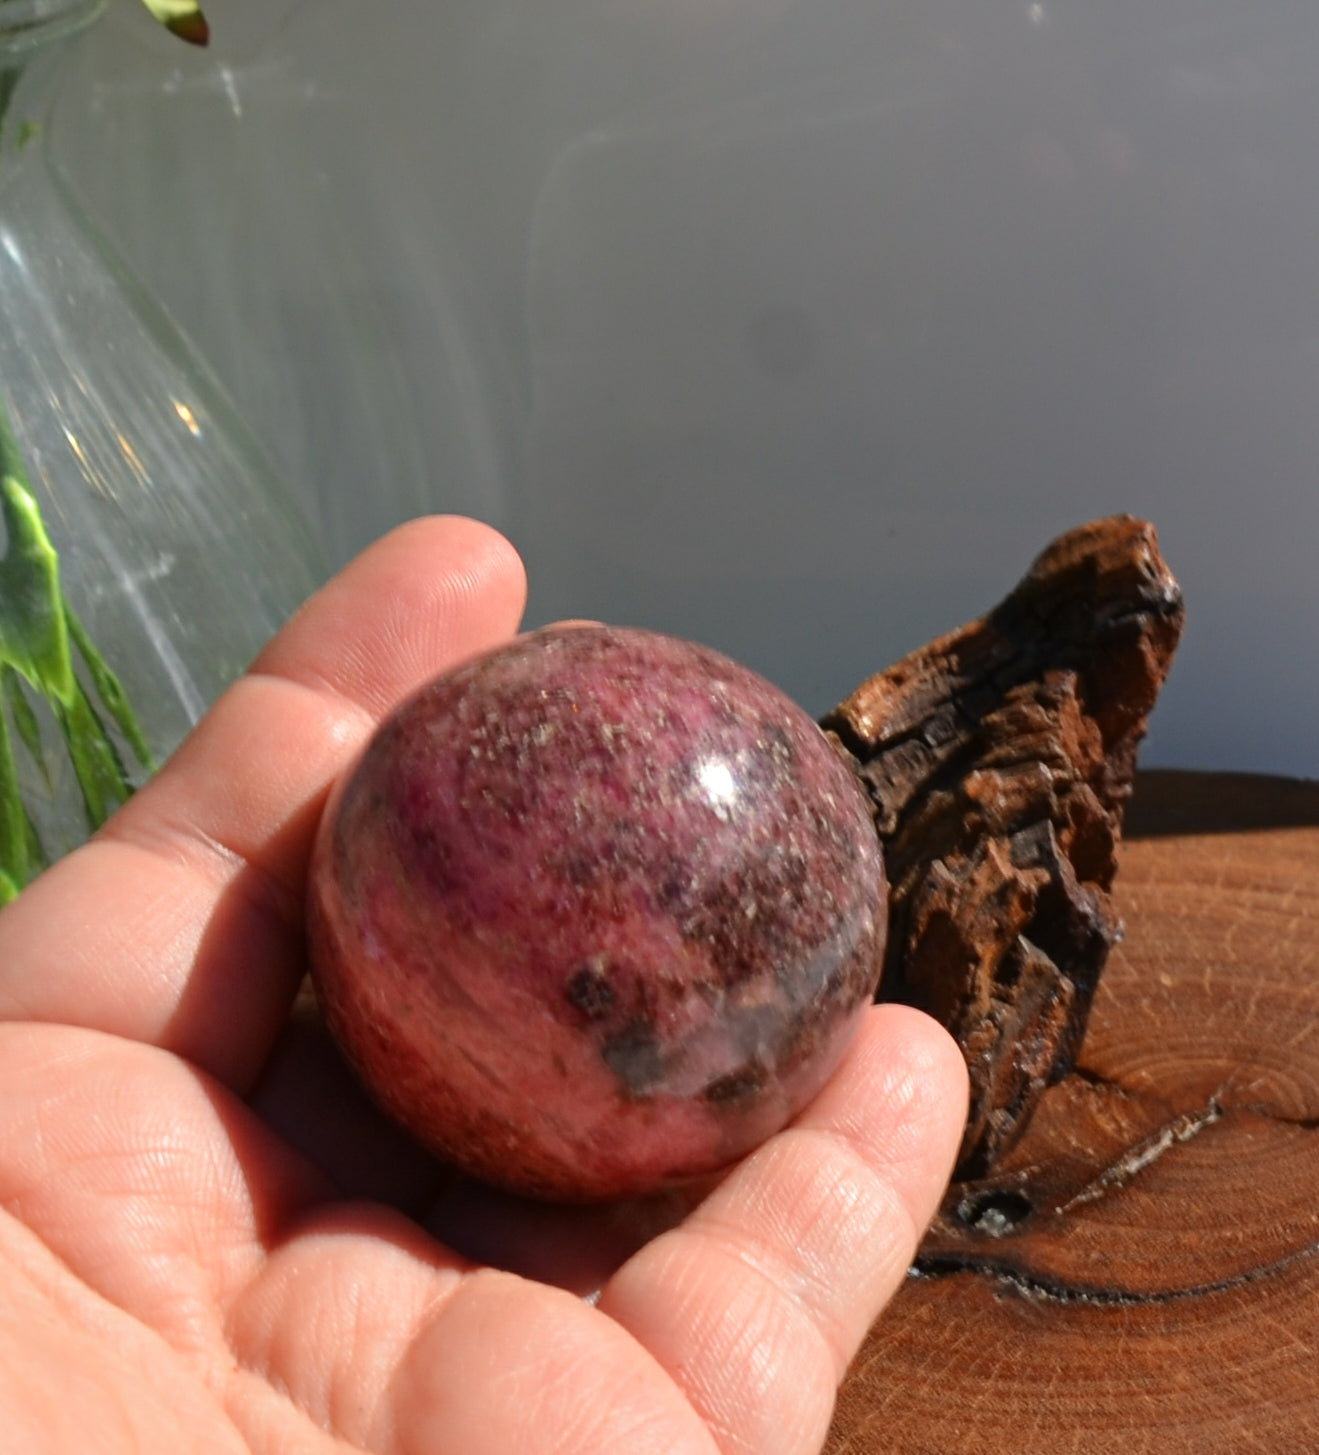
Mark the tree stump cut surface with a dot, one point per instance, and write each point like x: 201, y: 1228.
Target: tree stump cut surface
x: 1138, y: 1275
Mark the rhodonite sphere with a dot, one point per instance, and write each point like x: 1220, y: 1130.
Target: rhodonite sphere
x: 597, y: 912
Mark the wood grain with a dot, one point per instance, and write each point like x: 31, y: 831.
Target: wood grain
x: 1138, y: 1274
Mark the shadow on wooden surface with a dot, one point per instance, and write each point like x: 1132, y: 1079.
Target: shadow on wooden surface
x: 1168, y: 801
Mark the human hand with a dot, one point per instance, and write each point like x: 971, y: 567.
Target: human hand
x: 210, y: 1242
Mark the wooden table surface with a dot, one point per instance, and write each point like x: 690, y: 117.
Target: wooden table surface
x: 1138, y: 1275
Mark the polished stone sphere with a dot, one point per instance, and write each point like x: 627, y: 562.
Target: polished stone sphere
x: 597, y: 912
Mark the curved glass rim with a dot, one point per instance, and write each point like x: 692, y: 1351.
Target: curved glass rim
x: 26, y: 24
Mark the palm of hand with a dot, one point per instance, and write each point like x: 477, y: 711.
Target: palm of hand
x: 209, y: 1242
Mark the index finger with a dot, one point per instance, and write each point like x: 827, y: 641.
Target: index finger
x: 180, y: 924
x: 757, y: 1302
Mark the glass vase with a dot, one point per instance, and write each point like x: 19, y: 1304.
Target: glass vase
x: 146, y: 550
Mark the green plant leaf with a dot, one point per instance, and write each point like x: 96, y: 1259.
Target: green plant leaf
x: 25, y: 722
x: 183, y: 18
x: 34, y: 638
x: 101, y: 775
x: 110, y: 690
x: 38, y: 630
x: 21, y: 856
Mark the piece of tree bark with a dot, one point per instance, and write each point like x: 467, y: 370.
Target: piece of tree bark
x: 999, y: 760
x: 1138, y: 1275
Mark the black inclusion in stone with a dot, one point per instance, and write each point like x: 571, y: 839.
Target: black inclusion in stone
x: 590, y: 992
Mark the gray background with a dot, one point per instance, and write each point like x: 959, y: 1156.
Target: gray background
x: 797, y: 326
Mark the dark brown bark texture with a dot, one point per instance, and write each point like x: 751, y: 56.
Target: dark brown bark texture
x: 999, y: 760
x: 1138, y: 1274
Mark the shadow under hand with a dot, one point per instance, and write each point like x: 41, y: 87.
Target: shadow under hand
x: 309, y: 1096
x: 572, y: 1247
